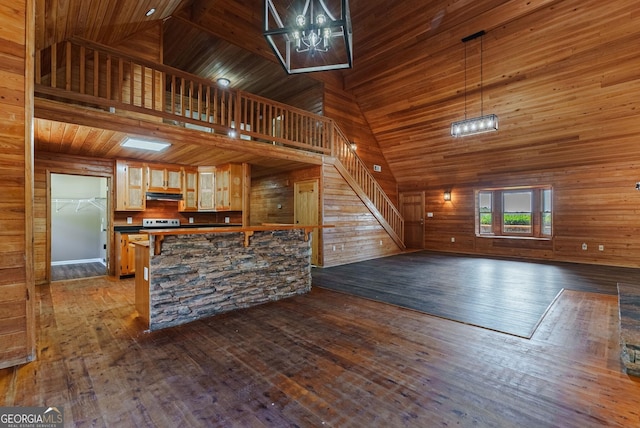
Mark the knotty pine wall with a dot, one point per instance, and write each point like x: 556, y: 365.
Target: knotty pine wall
x: 270, y: 191
x: 342, y: 107
x: 565, y: 83
x: 356, y: 235
x: 17, y: 329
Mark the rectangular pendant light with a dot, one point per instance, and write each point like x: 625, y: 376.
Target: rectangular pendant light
x: 476, y: 125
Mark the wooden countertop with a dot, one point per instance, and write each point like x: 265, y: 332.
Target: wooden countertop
x: 200, y: 230
x: 159, y: 234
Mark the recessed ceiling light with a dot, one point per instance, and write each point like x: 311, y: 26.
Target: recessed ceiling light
x: 135, y: 143
x: 150, y: 11
x: 224, y: 82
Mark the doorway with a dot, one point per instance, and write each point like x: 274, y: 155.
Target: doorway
x: 78, y: 226
x: 412, y: 210
x: 306, y: 200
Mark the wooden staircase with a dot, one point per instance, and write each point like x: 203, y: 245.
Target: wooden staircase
x: 91, y: 74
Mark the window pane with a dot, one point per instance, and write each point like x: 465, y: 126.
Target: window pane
x: 516, y: 212
x: 546, y: 212
x: 485, y: 211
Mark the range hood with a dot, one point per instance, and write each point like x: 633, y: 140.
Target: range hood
x: 160, y: 196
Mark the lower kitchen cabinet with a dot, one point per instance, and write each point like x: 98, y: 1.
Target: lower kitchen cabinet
x: 125, y: 252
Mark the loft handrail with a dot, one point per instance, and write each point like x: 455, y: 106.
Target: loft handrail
x: 97, y: 75
x: 371, y: 192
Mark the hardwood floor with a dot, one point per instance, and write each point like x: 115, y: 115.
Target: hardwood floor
x: 510, y: 296
x: 321, y: 359
x: 78, y: 270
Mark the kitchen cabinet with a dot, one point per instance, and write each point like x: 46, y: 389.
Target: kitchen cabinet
x: 125, y: 252
x: 189, y: 200
x: 130, y: 181
x: 142, y: 280
x: 229, y: 187
x: 206, y: 189
x: 164, y: 178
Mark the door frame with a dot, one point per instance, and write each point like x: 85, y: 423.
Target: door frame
x: 108, y: 216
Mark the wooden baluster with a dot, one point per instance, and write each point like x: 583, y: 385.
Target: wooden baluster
x: 172, y: 94
x: 54, y: 64
x: 109, y: 77
x: 96, y: 73
x: 38, y: 66
x: 143, y: 72
x: 67, y: 82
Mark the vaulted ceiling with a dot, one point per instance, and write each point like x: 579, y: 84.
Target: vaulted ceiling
x: 409, y: 70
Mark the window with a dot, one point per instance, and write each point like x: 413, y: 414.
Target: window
x: 514, y: 212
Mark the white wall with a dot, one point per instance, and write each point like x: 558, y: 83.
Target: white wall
x: 76, y: 224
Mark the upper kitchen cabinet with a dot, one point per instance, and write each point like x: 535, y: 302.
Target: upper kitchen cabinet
x: 130, y: 191
x: 206, y: 188
x: 164, y: 178
x: 189, y: 200
x: 229, y: 187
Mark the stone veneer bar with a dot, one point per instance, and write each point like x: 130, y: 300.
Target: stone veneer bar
x: 629, y: 303
x: 193, y: 275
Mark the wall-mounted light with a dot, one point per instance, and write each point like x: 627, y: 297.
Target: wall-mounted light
x: 447, y: 195
x: 354, y: 146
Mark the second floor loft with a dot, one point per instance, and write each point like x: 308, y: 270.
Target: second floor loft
x: 146, y: 99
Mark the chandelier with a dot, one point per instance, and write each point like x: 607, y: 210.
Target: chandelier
x: 309, y: 36
x: 483, y: 123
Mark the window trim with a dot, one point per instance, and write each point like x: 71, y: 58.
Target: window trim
x: 497, y: 212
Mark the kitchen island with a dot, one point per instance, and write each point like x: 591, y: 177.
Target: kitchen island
x: 186, y: 274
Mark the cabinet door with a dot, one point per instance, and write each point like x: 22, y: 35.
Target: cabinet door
x: 130, y: 186
x: 156, y: 179
x: 206, y: 190
x: 173, y: 180
x: 229, y: 187
x: 190, y: 191
x: 164, y: 179
x: 222, y: 188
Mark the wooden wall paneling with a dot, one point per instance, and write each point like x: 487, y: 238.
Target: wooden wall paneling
x: 357, y: 235
x: 17, y: 293
x: 592, y: 205
x: 343, y: 108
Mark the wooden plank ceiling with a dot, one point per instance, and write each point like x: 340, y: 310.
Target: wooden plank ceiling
x: 409, y: 77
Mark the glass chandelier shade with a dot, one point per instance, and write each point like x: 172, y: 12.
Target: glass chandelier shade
x: 312, y: 35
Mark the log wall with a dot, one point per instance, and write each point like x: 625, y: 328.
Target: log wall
x: 17, y: 331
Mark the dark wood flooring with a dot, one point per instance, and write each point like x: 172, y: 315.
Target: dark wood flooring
x: 79, y: 270
x: 510, y: 296
x: 321, y: 359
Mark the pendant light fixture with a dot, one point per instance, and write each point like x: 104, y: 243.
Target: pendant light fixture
x: 306, y: 35
x: 483, y: 123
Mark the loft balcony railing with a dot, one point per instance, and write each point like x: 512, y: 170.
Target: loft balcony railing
x: 95, y: 75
